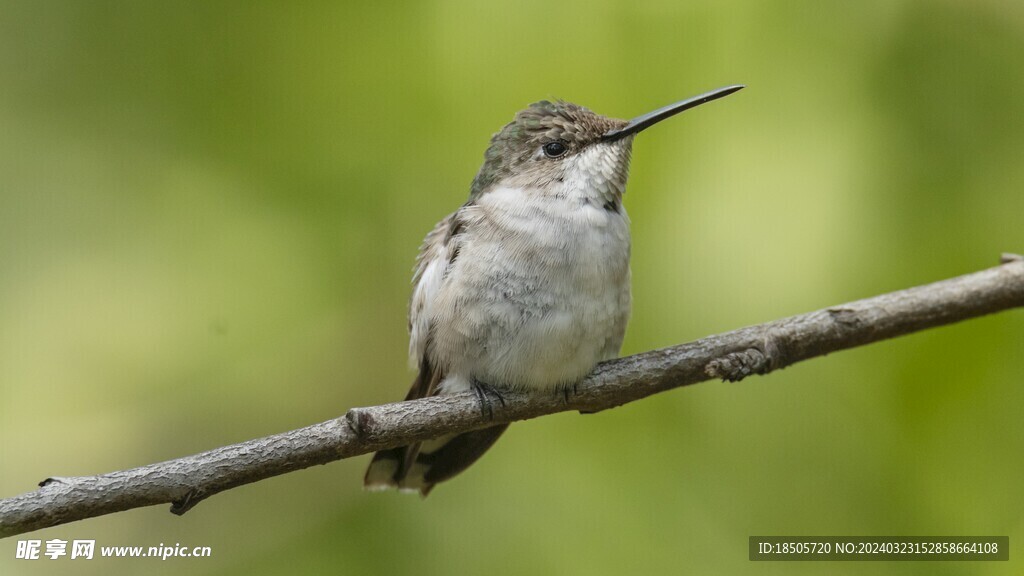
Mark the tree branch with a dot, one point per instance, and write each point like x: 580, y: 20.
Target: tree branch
x: 730, y: 356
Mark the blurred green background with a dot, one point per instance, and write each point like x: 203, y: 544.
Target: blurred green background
x: 209, y: 213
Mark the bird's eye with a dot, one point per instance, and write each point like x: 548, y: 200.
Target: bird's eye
x: 554, y: 149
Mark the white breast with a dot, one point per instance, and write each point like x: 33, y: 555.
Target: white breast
x: 539, y: 292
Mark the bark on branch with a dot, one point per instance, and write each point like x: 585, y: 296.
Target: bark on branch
x: 730, y: 356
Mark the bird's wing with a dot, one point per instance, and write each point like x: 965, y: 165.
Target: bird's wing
x: 437, y: 254
x: 391, y: 468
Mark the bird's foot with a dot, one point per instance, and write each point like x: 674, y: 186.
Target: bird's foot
x: 483, y: 394
x: 566, y: 389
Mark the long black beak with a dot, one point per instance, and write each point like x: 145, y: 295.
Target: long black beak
x: 651, y: 118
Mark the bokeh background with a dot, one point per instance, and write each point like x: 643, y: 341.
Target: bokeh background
x: 209, y: 213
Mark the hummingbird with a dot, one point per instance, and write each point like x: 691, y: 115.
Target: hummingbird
x: 527, y: 285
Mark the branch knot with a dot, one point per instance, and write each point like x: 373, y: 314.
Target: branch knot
x: 736, y: 366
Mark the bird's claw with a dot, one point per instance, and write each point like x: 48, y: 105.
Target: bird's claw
x: 483, y: 393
